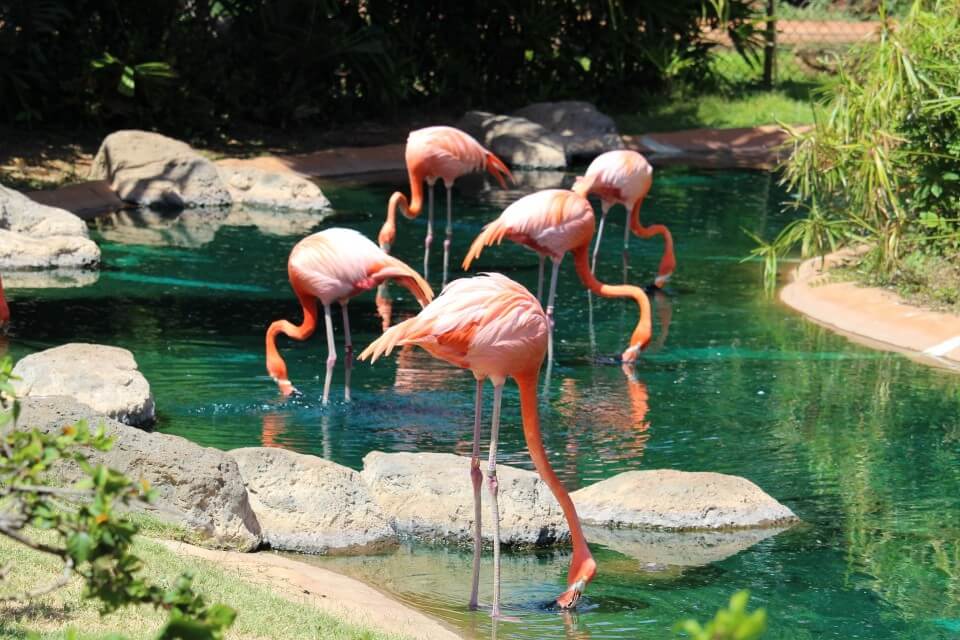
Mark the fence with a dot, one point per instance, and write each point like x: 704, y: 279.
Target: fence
x: 795, y: 48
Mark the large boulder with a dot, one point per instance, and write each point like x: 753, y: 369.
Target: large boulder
x: 198, y: 488
x: 430, y: 496
x: 584, y: 130
x: 20, y: 214
x: 256, y: 187
x: 517, y: 141
x: 311, y: 505
x: 21, y: 251
x: 153, y: 170
x: 106, y: 379
x: 679, y: 501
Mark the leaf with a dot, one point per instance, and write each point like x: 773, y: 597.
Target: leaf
x: 127, y: 84
x: 79, y: 546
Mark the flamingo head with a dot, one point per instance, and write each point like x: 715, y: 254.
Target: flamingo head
x: 581, y: 573
x: 388, y: 233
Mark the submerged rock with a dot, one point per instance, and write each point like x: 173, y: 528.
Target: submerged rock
x: 679, y: 500
x: 517, y: 141
x: 256, y: 187
x: 150, y: 169
x: 584, y: 131
x: 21, y: 251
x: 106, y: 379
x: 307, y: 504
x: 430, y: 496
x: 198, y: 488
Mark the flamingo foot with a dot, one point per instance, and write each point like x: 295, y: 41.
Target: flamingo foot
x: 569, y: 598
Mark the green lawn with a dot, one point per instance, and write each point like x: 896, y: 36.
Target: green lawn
x: 261, y: 613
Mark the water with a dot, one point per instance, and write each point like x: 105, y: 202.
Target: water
x: 863, y: 445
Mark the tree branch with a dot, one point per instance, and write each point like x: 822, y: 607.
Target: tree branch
x: 38, y: 546
x: 53, y: 586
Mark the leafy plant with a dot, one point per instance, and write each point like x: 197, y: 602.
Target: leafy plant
x: 732, y: 623
x: 91, y: 539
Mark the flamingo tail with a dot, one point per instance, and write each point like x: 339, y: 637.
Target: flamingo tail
x: 493, y: 233
x: 498, y: 170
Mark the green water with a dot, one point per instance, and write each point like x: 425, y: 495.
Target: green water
x: 863, y: 445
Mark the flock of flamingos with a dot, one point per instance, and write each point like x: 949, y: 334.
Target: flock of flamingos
x: 488, y: 324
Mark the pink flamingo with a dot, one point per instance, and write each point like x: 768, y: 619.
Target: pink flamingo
x: 4, y: 309
x: 432, y: 153
x: 495, y: 328
x: 335, y: 265
x: 553, y: 222
x: 625, y: 177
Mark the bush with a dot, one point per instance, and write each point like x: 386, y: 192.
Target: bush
x: 882, y: 165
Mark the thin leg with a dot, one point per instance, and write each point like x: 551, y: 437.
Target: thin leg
x: 449, y: 238
x: 626, y: 235
x: 492, y: 485
x: 429, y: 238
x: 540, y: 280
x: 347, y: 352
x: 596, y: 245
x: 331, y: 353
x: 476, y: 477
x: 591, y: 328
x: 550, y: 297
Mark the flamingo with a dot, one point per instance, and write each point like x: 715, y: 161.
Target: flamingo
x: 625, y: 177
x: 437, y: 152
x: 553, y: 222
x: 4, y: 309
x: 494, y: 327
x: 335, y: 265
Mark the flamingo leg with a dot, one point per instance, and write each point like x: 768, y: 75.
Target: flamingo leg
x: 493, y: 487
x: 476, y: 477
x: 550, y: 298
x: 626, y: 235
x: 331, y: 353
x: 596, y: 246
x: 429, y: 237
x: 540, y: 280
x: 347, y: 351
x: 449, y: 237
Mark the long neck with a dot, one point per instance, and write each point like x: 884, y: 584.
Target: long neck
x: 644, y: 329
x: 276, y: 367
x: 531, y: 432
x: 4, y: 309
x: 416, y: 194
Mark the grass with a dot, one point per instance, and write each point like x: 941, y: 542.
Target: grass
x: 262, y: 614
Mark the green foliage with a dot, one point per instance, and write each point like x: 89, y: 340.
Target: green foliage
x: 733, y: 623
x: 882, y: 164
x: 93, y: 540
x: 289, y: 61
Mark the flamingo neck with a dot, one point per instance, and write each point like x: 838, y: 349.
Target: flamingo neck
x: 276, y: 367
x: 644, y: 329
x: 416, y: 195
x: 531, y: 432
x: 4, y: 309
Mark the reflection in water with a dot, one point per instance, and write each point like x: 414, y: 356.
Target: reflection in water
x: 50, y: 279
x: 275, y: 427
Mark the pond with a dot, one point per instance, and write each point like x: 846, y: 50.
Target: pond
x: 864, y: 446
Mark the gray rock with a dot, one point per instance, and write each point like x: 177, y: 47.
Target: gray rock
x: 255, y: 187
x: 199, y: 488
x: 153, y: 170
x: 679, y: 500
x: 106, y: 379
x: 311, y: 505
x: 517, y: 141
x: 429, y: 496
x: 585, y: 131
x: 20, y: 214
x: 657, y: 551
x: 21, y: 251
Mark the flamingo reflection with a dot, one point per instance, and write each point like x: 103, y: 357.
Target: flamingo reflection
x: 274, y: 426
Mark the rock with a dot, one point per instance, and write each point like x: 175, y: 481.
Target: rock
x: 20, y: 251
x: 517, y: 141
x: 429, y: 496
x: 662, y: 550
x: 106, y: 379
x: 153, y: 170
x: 311, y: 505
x: 255, y: 187
x: 50, y: 279
x: 585, y: 131
x: 20, y: 214
x: 198, y: 488
x: 680, y: 501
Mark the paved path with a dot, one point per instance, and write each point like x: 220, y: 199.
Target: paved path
x: 872, y: 316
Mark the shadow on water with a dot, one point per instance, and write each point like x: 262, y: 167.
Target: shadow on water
x: 864, y: 446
